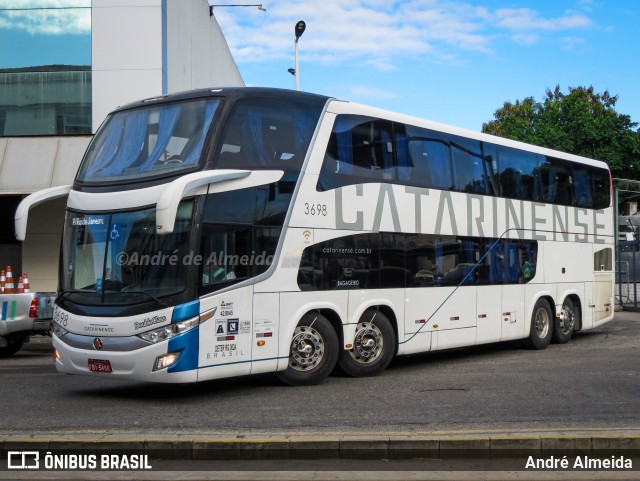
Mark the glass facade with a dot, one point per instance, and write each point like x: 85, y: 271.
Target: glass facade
x: 45, y: 102
x: 45, y: 83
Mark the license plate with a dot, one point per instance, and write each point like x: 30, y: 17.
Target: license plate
x: 99, y: 365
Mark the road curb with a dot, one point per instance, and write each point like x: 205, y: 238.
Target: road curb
x: 343, y: 446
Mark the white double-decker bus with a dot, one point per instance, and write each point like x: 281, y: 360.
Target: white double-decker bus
x: 224, y: 232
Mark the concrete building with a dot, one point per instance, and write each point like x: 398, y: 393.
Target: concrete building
x: 139, y: 48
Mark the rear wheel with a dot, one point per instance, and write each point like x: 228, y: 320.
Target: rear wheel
x: 13, y: 345
x: 564, y: 326
x: 541, y: 326
x: 313, y: 352
x: 373, y: 347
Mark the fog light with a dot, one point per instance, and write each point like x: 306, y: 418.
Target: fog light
x: 163, y: 362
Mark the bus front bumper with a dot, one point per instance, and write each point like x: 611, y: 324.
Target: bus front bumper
x: 73, y: 357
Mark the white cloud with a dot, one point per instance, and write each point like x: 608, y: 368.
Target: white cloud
x: 46, y: 17
x: 382, y: 33
x: 525, y: 19
x: 571, y: 43
x: 525, y: 38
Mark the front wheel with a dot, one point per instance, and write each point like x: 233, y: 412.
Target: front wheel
x: 313, y: 353
x: 564, y: 326
x: 541, y: 326
x: 13, y: 345
x: 373, y: 347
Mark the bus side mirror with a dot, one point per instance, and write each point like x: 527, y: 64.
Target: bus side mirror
x: 174, y: 192
x: 22, y: 212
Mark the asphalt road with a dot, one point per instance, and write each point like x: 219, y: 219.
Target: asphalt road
x: 591, y: 382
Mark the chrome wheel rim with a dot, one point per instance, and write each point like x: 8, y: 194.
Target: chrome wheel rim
x: 307, y: 349
x: 368, y: 343
x: 542, y: 323
x: 567, y: 323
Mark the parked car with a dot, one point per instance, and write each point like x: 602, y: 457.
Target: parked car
x: 22, y: 316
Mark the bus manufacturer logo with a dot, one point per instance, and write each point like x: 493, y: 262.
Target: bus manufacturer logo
x: 149, y: 321
x: 97, y: 343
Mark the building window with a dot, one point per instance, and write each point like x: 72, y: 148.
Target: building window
x: 45, y: 84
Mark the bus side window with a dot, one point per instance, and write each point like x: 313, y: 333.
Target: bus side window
x: 490, y: 168
x: 601, y: 188
x: 557, y: 182
x: 420, y: 260
x: 360, y: 149
x: 469, y: 167
x: 403, y: 156
x: 431, y: 158
x: 603, y: 259
x: 350, y: 262
x: 266, y: 133
x: 582, y: 186
x: 372, y: 150
x: 519, y: 177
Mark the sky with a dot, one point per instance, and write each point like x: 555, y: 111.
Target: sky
x: 55, y: 33
x: 452, y: 61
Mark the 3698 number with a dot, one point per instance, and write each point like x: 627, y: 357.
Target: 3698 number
x: 315, y: 209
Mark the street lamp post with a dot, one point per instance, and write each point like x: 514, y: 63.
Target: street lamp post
x: 299, y: 30
x: 259, y: 5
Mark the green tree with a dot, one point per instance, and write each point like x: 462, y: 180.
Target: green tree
x: 580, y: 122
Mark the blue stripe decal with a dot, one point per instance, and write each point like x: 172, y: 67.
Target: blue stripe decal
x: 187, y: 345
x: 4, y: 310
x: 185, y: 311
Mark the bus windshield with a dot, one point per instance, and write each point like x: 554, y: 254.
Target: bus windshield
x: 119, y: 259
x: 146, y: 142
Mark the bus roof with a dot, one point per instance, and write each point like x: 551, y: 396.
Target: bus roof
x: 357, y: 109
x: 235, y: 92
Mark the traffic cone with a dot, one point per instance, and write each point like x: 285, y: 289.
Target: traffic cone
x: 8, y: 286
x: 3, y: 279
x: 25, y: 280
x: 20, y: 289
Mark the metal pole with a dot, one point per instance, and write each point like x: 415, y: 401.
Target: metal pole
x: 617, y: 249
x: 297, y: 69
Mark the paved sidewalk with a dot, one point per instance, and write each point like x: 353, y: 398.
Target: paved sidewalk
x: 344, y: 446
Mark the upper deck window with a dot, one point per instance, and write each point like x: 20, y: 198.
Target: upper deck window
x: 146, y: 142
x: 370, y: 150
x: 267, y: 134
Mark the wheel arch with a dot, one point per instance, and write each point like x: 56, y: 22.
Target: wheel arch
x: 329, y: 310
x: 577, y: 302
x: 334, y: 319
x: 391, y: 315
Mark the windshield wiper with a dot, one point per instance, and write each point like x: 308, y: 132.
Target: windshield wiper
x: 62, y: 295
x: 159, y: 301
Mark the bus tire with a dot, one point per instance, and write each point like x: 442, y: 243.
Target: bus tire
x: 373, y: 347
x: 313, y: 352
x: 13, y: 345
x: 541, y: 326
x: 563, y: 327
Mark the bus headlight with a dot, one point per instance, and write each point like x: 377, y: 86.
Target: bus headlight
x: 157, y: 335
x: 167, y: 332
